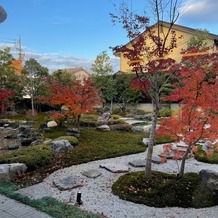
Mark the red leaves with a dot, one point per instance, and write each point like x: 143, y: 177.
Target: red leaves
x: 198, y: 96
x: 5, y: 94
x: 140, y: 84
x: 79, y: 97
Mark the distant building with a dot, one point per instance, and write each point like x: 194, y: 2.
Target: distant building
x: 183, y: 31
x: 78, y: 73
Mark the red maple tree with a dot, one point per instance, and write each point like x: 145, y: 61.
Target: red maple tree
x: 197, y: 92
x: 5, y: 95
x: 148, y: 56
x: 79, y: 97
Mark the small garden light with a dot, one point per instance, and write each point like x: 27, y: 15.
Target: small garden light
x: 78, y: 198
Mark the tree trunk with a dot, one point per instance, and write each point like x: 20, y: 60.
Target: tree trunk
x: 32, y: 105
x: 182, y: 167
x: 111, y: 106
x: 78, y: 121
x: 152, y: 137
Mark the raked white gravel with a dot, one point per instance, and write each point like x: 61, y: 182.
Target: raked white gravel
x: 98, y: 198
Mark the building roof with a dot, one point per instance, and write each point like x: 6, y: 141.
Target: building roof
x: 179, y: 28
x: 76, y: 70
x: 184, y: 29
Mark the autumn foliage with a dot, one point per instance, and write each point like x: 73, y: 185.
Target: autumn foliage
x: 5, y: 95
x: 17, y: 64
x: 78, y: 97
x: 197, y: 93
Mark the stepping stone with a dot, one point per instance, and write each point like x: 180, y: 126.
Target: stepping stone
x: 158, y: 160
x: 67, y: 183
x: 137, y: 163
x: 37, y: 191
x: 91, y: 173
x: 115, y: 168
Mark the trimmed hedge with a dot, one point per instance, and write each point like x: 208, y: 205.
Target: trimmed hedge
x: 73, y: 140
x: 32, y: 156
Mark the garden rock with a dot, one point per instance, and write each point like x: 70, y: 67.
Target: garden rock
x: 61, y: 146
x: 146, y: 141
x: 210, y: 178
x: 44, y: 127
x: 27, y: 135
x: 103, y: 128
x: 8, y: 172
x: 137, y: 128
x: 147, y: 117
x: 51, y: 124
x: 11, y: 147
x: 26, y: 141
x: 137, y: 163
x: 92, y: 173
x: 10, y: 133
x: 66, y: 183
x: 158, y: 160
x: 104, y: 119
x: 115, y: 168
x: 73, y: 132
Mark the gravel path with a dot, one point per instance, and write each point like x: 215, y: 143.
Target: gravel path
x: 97, y: 196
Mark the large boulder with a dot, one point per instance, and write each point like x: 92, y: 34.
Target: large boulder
x: 8, y: 172
x: 210, y: 178
x: 61, y: 146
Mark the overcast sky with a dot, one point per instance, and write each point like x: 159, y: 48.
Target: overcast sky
x: 71, y: 33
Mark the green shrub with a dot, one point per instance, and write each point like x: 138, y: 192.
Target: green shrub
x: 89, y: 120
x: 32, y: 156
x: 165, y: 113
x: 88, y: 123
x: 202, y: 156
x: 121, y: 127
x: 116, y: 116
x: 116, y: 110
x: 164, y: 139
x: 73, y: 140
x: 203, y: 197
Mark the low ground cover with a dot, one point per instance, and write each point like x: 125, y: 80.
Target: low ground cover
x: 48, y: 205
x: 164, y: 190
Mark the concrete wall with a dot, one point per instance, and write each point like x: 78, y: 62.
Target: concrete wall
x: 148, y: 107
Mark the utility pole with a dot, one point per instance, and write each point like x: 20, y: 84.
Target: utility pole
x: 19, y: 49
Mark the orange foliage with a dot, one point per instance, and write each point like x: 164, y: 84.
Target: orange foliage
x: 17, y: 64
x: 78, y: 98
x: 198, y: 98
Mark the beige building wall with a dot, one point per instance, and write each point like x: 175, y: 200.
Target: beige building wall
x: 186, y: 34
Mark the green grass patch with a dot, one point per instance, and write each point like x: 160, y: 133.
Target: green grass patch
x: 95, y: 145
x: 48, y: 205
x: 164, y: 190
